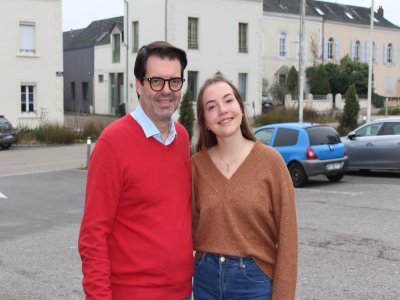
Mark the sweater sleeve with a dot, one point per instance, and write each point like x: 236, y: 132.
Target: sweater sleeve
x: 195, y: 212
x: 285, y: 273
x: 102, y: 194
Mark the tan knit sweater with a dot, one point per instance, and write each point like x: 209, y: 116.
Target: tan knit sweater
x: 251, y: 214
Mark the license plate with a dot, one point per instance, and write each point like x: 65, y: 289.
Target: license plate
x: 334, y: 166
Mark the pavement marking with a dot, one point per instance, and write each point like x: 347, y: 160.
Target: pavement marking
x: 2, y: 195
x: 331, y: 192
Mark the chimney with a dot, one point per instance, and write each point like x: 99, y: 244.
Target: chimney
x: 380, y: 11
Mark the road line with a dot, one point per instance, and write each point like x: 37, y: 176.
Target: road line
x: 2, y: 195
x: 330, y: 192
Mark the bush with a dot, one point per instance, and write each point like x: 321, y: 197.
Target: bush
x: 186, y: 113
x: 282, y: 115
x: 92, y: 129
x: 54, y: 134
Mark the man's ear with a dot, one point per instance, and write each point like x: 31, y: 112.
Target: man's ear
x: 139, y: 87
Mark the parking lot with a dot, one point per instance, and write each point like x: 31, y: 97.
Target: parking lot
x: 349, y: 232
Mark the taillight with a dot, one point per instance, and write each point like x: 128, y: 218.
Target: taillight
x: 345, y: 152
x: 310, y: 153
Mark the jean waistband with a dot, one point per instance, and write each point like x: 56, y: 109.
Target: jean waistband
x: 227, y: 259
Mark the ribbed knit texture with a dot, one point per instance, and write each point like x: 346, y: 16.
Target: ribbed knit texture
x: 135, y: 240
x: 251, y: 214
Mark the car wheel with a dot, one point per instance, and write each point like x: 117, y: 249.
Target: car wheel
x: 299, y: 176
x: 6, y: 146
x: 335, y: 177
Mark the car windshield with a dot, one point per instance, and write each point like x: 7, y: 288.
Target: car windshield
x: 320, y: 135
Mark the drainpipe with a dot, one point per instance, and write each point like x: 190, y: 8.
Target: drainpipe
x: 166, y: 19
x: 126, y: 43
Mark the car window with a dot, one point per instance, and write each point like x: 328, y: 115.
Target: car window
x: 286, y: 137
x: 391, y: 128
x: 369, y: 130
x: 265, y: 135
x: 322, y: 135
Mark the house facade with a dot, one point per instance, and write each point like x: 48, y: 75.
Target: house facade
x: 93, y: 67
x: 218, y: 36
x: 331, y: 31
x: 32, y: 62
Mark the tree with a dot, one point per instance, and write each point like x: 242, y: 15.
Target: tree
x: 351, y: 109
x: 318, y: 80
x: 265, y: 87
x: 292, y: 81
x: 186, y: 113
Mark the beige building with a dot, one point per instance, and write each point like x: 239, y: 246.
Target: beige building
x: 31, y: 80
x: 218, y: 36
x: 331, y: 31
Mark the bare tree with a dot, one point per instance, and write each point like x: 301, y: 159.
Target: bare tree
x: 314, y: 48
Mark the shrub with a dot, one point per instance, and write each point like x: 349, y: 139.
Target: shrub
x: 186, y: 113
x: 351, y: 109
x: 92, y: 129
x: 54, y: 134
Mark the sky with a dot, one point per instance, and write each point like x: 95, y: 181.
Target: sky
x: 80, y: 13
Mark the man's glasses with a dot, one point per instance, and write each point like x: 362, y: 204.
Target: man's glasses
x: 157, y: 83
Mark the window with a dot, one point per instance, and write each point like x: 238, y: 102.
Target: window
x: 242, y: 86
x: 389, y: 53
x: 27, y: 98
x: 116, y: 53
x: 357, y: 51
x: 85, y: 86
x: 192, y: 33
x: 282, y: 45
x: 192, y: 83
x: 135, y: 37
x: 265, y: 135
x: 73, y: 90
x: 331, y: 44
x: 282, y: 79
x: 369, y: 130
x: 101, y: 78
x: 286, y: 137
x: 27, y: 38
x: 243, y: 38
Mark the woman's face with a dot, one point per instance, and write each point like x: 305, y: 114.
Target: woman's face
x: 222, y: 112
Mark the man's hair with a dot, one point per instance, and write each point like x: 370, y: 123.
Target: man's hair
x: 160, y: 49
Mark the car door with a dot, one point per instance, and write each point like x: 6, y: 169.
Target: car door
x: 361, y: 149
x: 387, y: 146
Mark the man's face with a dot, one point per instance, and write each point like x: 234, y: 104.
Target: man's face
x: 159, y: 106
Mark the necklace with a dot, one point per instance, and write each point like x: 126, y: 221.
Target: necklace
x: 228, y: 166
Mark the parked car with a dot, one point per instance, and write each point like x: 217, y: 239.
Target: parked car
x: 266, y: 104
x: 308, y: 149
x: 7, y: 134
x: 375, y: 145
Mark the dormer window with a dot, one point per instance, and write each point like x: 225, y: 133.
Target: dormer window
x: 349, y: 15
x: 321, y: 13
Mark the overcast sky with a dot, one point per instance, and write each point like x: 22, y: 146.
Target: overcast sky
x: 80, y: 13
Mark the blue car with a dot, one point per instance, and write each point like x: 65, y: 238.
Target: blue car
x: 309, y: 149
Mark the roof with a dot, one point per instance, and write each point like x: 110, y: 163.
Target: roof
x: 97, y: 33
x: 329, y: 12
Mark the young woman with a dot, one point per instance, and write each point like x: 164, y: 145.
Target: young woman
x: 244, y: 217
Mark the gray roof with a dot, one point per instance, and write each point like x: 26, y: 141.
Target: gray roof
x: 330, y: 12
x: 98, y: 32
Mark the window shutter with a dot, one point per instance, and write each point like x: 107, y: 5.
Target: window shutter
x: 394, y: 54
x: 385, y: 54
x: 337, y: 49
x: 325, y: 49
x: 352, y: 45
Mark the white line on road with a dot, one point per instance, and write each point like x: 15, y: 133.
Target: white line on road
x: 330, y: 192
x: 2, y: 195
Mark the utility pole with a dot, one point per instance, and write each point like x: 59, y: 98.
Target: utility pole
x: 301, y: 59
x: 371, y: 46
x: 166, y: 21
x: 126, y: 32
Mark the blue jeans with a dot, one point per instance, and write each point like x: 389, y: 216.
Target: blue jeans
x: 220, y: 277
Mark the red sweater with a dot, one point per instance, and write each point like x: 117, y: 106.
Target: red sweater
x: 135, y: 238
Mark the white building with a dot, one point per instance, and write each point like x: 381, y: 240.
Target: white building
x: 218, y: 35
x: 31, y: 80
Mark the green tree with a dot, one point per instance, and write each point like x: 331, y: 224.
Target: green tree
x: 351, y: 109
x: 186, y: 113
x: 292, y: 81
x: 318, y: 80
x: 265, y: 87
x: 277, y: 92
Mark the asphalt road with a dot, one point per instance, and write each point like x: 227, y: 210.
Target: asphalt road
x: 349, y: 232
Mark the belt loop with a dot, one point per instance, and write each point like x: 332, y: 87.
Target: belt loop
x: 241, y: 262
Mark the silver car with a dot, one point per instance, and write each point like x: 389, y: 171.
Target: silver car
x: 375, y: 146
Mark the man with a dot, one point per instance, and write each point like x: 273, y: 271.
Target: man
x: 135, y: 238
